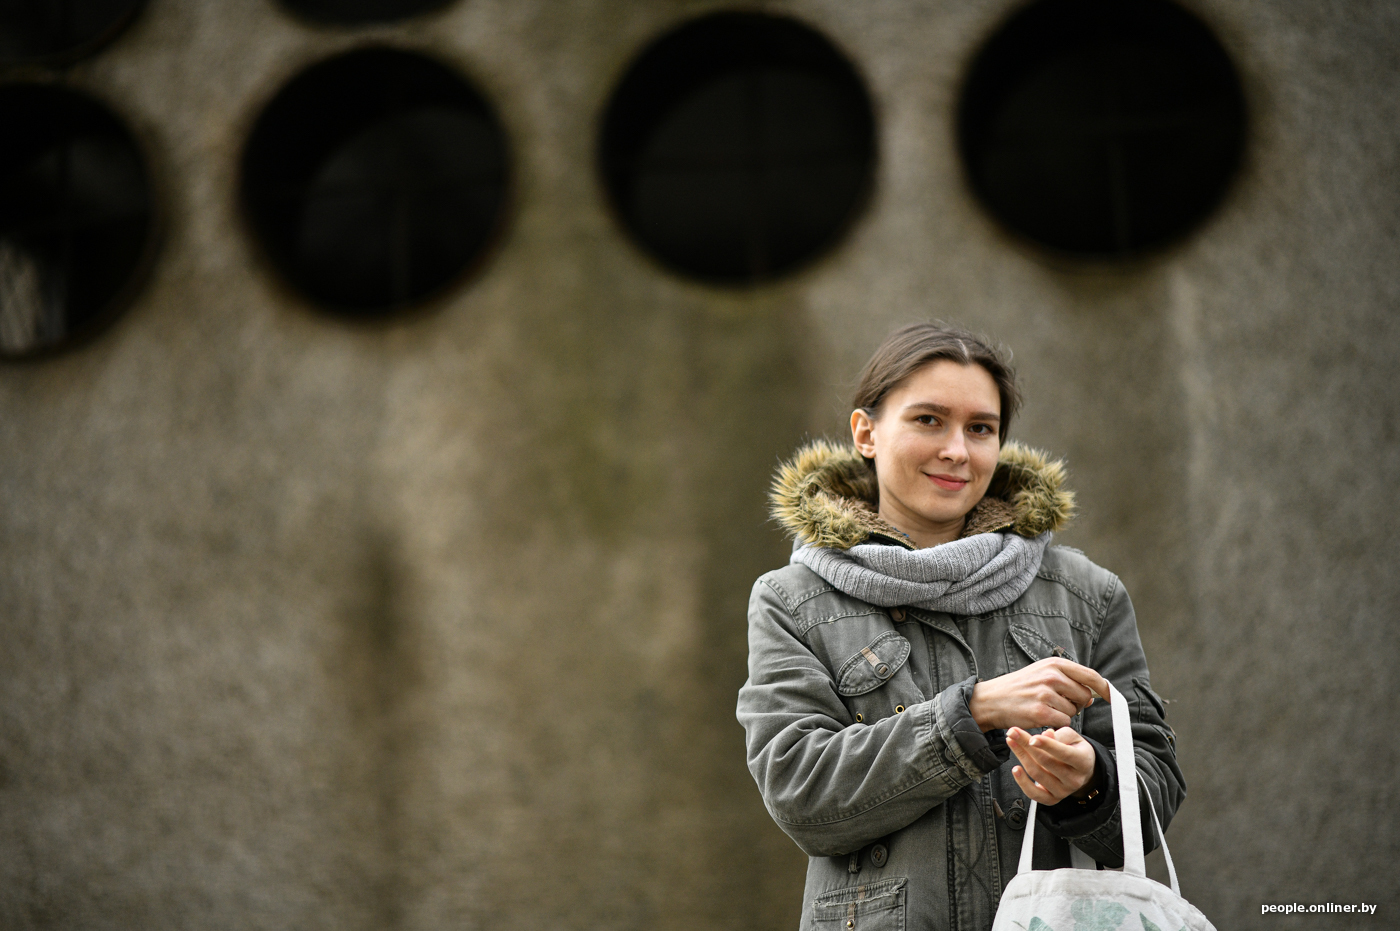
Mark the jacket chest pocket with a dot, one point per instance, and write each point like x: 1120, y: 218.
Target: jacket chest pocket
x: 1026, y: 644
x: 876, y: 682
x: 871, y: 907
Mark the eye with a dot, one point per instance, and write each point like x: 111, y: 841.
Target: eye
x: 927, y: 420
x: 982, y: 429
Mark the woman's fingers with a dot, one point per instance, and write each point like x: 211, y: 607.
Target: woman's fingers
x: 1057, y: 763
x: 1071, y: 686
x: 1062, y: 744
x: 1034, y: 759
x: 1031, y: 790
x: 1089, y: 679
x: 1058, y: 710
x: 1061, y: 678
x: 1048, y: 693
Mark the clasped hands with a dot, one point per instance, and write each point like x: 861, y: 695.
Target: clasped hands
x: 1056, y: 763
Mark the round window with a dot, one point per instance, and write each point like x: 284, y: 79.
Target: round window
x: 374, y: 180
x: 738, y: 147
x: 353, y: 12
x: 60, y: 30
x: 76, y: 217
x: 1101, y: 127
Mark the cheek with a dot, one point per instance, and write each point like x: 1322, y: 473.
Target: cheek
x: 904, y: 451
x: 985, y: 462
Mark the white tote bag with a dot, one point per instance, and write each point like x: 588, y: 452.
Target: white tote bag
x: 1088, y: 899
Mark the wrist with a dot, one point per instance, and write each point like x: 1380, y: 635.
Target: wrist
x: 984, y: 750
x: 1093, y: 787
x: 981, y: 709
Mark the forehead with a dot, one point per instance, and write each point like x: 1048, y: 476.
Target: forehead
x: 949, y: 384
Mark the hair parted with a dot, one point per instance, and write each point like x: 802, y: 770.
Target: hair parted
x: 911, y: 347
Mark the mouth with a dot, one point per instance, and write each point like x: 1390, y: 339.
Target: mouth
x: 949, y: 482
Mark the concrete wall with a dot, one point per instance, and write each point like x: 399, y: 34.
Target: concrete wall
x: 439, y: 623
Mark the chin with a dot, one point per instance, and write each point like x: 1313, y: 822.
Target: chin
x: 945, y: 514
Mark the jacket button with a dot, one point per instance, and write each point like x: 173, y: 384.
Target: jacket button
x: 850, y: 922
x: 882, y: 670
x: 897, y: 613
x: 1016, y: 817
x: 879, y: 855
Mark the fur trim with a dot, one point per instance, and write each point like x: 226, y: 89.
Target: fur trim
x: 1034, y: 485
x: 827, y: 496
x: 824, y: 495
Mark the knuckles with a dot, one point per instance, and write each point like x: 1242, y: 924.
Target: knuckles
x: 1043, y: 715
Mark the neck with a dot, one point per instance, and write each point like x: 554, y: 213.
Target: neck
x: 923, y: 532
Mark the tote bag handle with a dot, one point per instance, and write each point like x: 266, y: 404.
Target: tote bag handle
x: 1134, y: 862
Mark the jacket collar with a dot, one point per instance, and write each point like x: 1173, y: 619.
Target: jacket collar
x: 826, y: 496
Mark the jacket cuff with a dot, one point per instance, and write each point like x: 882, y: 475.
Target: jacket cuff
x: 974, y: 752
x: 1071, y: 820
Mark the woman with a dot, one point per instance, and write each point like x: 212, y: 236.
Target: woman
x: 922, y: 631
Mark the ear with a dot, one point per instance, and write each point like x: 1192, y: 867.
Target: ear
x: 863, y: 433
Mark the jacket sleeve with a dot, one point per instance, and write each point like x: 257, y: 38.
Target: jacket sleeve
x: 1118, y: 657
x: 831, y: 784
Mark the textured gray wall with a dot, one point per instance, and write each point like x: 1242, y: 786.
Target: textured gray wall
x: 440, y: 623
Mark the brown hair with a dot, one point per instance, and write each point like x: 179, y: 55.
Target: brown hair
x: 910, y: 348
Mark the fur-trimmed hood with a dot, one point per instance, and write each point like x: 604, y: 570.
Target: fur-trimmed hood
x: 826, y: 495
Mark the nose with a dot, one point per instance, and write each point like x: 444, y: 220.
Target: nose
x: 955, y: 450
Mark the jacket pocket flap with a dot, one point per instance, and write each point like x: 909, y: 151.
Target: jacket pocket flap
x: 855, y: 901
x: 873, y: 666
x: 1145, y: 694
x: 1036, y: 645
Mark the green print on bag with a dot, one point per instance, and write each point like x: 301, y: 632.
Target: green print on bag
x: 1096, y: 916
x: 1090, y: 915
x: 1149, y: 925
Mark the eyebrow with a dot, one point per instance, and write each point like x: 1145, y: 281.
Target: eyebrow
x: 946, y: 411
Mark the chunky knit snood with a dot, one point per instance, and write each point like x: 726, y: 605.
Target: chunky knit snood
x: 971, y: 575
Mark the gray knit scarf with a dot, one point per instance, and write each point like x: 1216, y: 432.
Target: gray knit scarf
x: 972, y: 575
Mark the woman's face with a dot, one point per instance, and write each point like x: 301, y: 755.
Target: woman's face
x: 935, y: 446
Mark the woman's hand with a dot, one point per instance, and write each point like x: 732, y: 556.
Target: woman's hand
x: 1044, y: 694
x: 1054, y: 764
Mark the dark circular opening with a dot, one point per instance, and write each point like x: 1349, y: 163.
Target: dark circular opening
x: 738, y: 147
x: 374, y: 179
x: 76, y: 217
x: 353, y: 12
x: 55, y: 30
x: 1101, y: 127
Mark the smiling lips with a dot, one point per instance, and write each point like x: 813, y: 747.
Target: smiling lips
x: 950, y: 482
